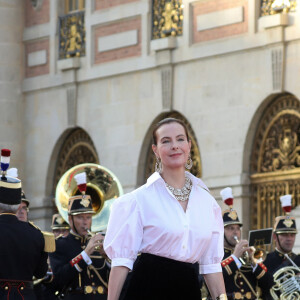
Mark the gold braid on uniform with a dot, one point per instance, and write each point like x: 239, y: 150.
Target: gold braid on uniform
x: 248, y: 283
x: 48, y: 237
x: 98, y: 275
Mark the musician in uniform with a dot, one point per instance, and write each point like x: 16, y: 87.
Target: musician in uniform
x: 241, y: 276
x: 79, y: 266
x: 59, y: 226
x: 22, y: 212
x: 23, y: 246
x: 284, y: 236
x: 44, y: 288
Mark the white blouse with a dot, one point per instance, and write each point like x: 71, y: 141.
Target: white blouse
x: 151, y: 220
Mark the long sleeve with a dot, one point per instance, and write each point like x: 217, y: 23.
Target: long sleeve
x: 42, y: 266
x: 124, y: 232
x: 211, y: 260
x: 64, y: 272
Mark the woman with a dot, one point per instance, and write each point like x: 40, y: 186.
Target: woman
x: 173, y: 221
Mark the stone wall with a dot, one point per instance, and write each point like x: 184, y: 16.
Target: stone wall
x: 218, y: 77
x: 11, y: 70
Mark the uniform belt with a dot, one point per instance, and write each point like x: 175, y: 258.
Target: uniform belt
x: 7, y: 284
x: 247, y: 295
x: 89, y: 289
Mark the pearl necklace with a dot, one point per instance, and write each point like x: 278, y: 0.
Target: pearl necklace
x: 184, y: 193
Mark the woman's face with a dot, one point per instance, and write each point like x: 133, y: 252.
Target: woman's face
x: 172, y: 146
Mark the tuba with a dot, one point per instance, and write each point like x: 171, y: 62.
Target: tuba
x: 287, y: 282
x: 102, y: 185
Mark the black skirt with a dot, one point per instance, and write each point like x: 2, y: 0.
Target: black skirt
x: 158, y: 278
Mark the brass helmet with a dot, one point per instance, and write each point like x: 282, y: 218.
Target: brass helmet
x: 24, y: 199
x: 230, y: 215
x: 286, y: 223
x: 80, y: 204
x: 59, y: 223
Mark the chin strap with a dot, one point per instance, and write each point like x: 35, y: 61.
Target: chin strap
x: 75, y: 229
x: 282, y: 250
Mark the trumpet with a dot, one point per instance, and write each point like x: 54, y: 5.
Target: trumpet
x: 94, y: 233
x: 258, y: 255
x: 91, y: 234
x: 245, y: 260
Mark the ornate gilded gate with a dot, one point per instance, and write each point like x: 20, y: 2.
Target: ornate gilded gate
x: 275, y: 161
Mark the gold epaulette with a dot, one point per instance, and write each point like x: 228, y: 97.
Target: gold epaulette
x: 33, y: 225
x: 48, y: 237
x: 49, y: 241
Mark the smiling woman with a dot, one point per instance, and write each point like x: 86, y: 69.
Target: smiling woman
x: 173, y: 222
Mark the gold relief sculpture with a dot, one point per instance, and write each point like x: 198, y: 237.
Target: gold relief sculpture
x: 167, y: 17
x: 282, y: 147
x: 72, y: 35
x: 275, y: 161
x: 271, y: 7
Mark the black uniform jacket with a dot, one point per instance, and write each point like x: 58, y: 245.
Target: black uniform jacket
x: 242, y: 283
x: 275, y: 261
x: 22, y: 256
x: 90, y: 282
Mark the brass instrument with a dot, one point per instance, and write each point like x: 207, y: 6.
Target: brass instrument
x: 245, y: 259
x: 102, y: 185
x: 47, y: 278
x: 259, y: 255
x: 287, y: 282
x: 91, y: 234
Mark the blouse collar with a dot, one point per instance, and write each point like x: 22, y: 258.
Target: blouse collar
x: 195, y: 180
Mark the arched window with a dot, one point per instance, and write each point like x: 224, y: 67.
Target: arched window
x: 77, y: 148
x: 275, y: 160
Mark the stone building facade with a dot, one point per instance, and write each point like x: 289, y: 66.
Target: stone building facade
x: 86, y: 80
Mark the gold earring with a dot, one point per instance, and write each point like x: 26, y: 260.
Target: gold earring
x: 189, y: 163
x: 158, y: 166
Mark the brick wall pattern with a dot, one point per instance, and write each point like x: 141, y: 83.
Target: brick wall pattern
x: 205, y: 7
x: 103, y: 4
x: 118, y: 27
x: 34, y: 46
x: 36, y: 17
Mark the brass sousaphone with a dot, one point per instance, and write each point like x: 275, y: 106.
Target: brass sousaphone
x: 102, y: 185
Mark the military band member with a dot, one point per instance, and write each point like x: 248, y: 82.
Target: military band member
x: 284, y: 236
x: 44, y: 288
x: 242, y: 274
x: 22, y: 212
x: 59, y: 226
x: 80, y: 271
x: 23, y: 246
